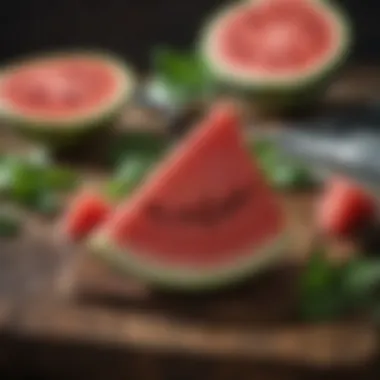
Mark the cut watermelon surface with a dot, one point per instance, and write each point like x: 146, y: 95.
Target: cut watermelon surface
x: 268, y: 45
x: 64, y: 94
x: 206, y: 216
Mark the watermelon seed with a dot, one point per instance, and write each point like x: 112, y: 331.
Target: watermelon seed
x: 236, y: 200
x: 207, y: 211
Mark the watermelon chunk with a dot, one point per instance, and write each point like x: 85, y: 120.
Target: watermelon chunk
x: 204, y: 217
x: 344, y: 205
x: 86, y: 211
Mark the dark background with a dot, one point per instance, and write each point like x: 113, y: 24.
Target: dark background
x: 132, y: 27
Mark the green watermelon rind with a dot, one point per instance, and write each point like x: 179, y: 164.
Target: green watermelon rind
x: 63, y: 130
x: 179, y: 279
x: 226, y: 76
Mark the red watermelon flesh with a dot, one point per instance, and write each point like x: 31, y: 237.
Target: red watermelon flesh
x: 206, y: 206
x: 60, y: 87
x: 276, y: 37
x: 344, y: 206
x: 85, y: 212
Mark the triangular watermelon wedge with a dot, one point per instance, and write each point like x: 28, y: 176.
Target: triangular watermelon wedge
x: 205, y: 217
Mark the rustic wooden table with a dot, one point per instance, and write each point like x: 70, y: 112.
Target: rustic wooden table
x: 65, y: 316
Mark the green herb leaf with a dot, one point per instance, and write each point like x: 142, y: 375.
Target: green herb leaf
x: 32, y: 181
x: 284, y: 174
x: 25, y: 184
x: 128, y: 176
x: 362, y: 281
x: 47, y: 203
x: 290, y: 176
x: 178, y: 67
x: 60, y: 179
x: 328, y: 291
x: 321, y: 295
x: 182, y: 75
x: 7, y: 165
x: 138, y: 144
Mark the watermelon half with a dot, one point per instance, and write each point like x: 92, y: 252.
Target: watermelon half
x: 204, y: 217
x: 280, y: 51
x: 60, y: 97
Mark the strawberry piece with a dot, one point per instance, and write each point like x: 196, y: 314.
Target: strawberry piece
x: 344, y: 205
x: 86, y: 211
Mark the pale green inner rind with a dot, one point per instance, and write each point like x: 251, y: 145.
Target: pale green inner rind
x: 128, y: 263
x: 221, y: 68
x: 126, y: 84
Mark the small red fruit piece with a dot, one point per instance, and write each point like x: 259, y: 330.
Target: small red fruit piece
x: 85, y: 212
x: 343, y: 206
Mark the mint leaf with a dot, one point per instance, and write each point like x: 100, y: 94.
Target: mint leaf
x: 322, y: 296
x: 139, y: 144
x: 362, y: 281
x: 129, y: 174
x: 283, y: 173
x: 25, y: 183
x: 329, y: 292
x: 60, y: 179
x: 181, y: 75
x: 6, y: 174
x: 47, y: 203
x: 28, y: 180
